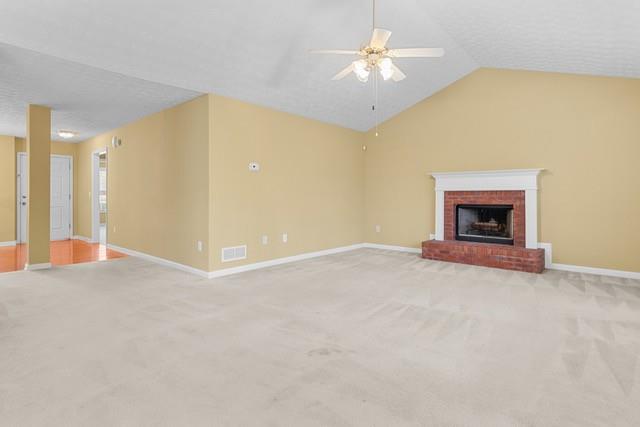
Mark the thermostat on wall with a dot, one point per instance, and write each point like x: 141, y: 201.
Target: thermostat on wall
x: 254, y: 167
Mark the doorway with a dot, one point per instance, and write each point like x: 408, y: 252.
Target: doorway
x: 61, y: 197
x: 60, y: 210
x: 22, y: 191
x: 99, y: 197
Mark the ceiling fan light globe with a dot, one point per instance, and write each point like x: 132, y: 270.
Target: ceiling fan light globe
x: 360, y: 65
x: 361, y: 70
x: 386, y: 73
x: 385, y: 64
x: 363, y: 77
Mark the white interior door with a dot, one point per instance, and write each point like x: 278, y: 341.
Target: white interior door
x: 60, y: 198
x: 22, y: 197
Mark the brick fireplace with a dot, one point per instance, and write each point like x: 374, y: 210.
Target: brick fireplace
x: 513, y: 199
x: 487, y: 218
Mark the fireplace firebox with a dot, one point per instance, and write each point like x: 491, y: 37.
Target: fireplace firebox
x: 496, y: 210
x: 485, y: 223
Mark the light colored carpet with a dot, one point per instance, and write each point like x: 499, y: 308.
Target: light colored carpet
x: 369, y: 337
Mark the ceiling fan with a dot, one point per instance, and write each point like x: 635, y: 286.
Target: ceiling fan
x: 376, y: 55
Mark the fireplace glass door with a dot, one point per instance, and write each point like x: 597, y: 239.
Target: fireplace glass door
x: 485, y: 223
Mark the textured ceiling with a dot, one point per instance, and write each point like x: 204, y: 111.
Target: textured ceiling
x: 597, y: 37
x: 84, y: 99
x: 251, y: 50
x: 257, y: 51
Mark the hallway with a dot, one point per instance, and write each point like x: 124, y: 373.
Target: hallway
x: 12, y: 258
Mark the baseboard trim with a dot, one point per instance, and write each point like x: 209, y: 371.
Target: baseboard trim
x: 82, y: 238
x: 596, y: 271
x: 36, y: 267
x: 549, y: 264
x: 233, y: 270
x: 392, y: 248
x: 158, y: 260
x: 279, y: 261
x: 9, y: 243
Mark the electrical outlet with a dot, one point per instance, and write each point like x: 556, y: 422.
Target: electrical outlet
x: 114, y: 228
x: 265, y: 240
x: 378, y: 229
x: 199, y: 245
x: 285, y: 238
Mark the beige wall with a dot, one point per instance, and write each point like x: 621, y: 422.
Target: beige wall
x: 7, y: 189
x: 39, y: 182
x: 181, y: 175
x: 584, y: 130
x: 310, y: 185
x: 57, y: 147
x: 158, y: 184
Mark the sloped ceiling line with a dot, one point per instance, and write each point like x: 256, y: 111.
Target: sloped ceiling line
x: 258, y: 52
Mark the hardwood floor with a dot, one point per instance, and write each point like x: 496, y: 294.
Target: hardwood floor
x: 13, y: 258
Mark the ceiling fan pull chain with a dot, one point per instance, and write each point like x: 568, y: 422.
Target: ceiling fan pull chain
x: 375, y: 102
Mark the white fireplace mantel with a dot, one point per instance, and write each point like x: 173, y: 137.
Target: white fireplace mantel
x: 499, y: 180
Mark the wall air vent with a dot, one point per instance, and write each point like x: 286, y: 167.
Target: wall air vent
x: 234, y: 253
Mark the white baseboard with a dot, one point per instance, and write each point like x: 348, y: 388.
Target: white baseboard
x: 549, y: 264
x: 392, y: 248
x: 9, y: 243
x: 159, y: 260
x: 35, y: 267
x: 278, y: 261
x: 84, y: 239
x: 285, y: 260
x: 232, y: 270
x: 596, y: 271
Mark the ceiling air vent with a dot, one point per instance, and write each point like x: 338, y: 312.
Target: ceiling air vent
x: 234, y: 253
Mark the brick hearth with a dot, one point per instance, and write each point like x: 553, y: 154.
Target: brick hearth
x: 485, y: 254
x: 516, y: 257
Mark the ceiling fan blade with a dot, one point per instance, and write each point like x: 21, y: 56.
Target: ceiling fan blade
x: 336, y: 51
x: 379, y: 38
x: 344, y: 73
x: 416, y: 52
x: 397, y: 75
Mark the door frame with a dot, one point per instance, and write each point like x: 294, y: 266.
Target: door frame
x: 19, y: 216
x: 95, y: 195
x: 20, y: 175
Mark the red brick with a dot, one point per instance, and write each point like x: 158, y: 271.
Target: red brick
x: 515, y: 198
x: 485, y: 254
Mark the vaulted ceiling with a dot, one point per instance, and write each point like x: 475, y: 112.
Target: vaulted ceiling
x: 165, y: 51
x: 83, y: 99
